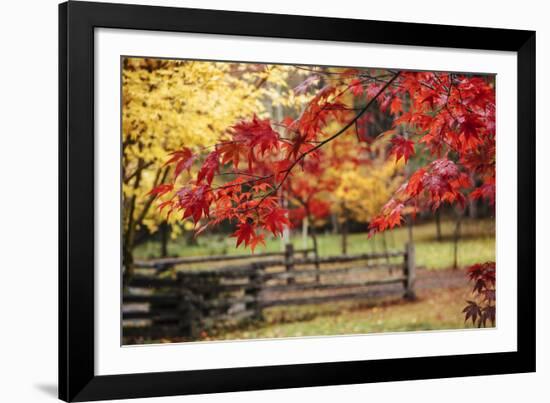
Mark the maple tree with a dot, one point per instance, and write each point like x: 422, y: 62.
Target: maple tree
x: 447, y: 118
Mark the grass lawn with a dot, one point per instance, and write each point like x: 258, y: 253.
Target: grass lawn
x: 439, y: 309
x: 477, y: 244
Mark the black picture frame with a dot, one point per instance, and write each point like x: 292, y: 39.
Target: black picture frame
x: 77, y: 21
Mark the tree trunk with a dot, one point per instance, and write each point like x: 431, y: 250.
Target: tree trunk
x: 305, y: 225
x: 438, y: 225
x: 345, y: 233
x: 334, y: 222
x: 313, y: 234
x: 472, y: 204
x: 285, y: 238
x: 392, y: 239
x: 315, y: 245
x: 345, y: 238
x: 164, y: 229
x: 472, y: 208
x: 410, y: 229
x: 190, y: 238
x: 456, y: 238
x: 385, y: 246
x: 132, y: 223
x: 128, y: 242
x: 372, y: 241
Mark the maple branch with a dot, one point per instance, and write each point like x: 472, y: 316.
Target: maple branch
x: 258, y: 179
x: 342, y: 92
x: 126, y: 179
x: 161, y: 177
x: 338, y: 73
x: 327, y: 73
x: 241, y: 173
x: 319, y: 144
x: 342, y: 130
x: 328, y: 140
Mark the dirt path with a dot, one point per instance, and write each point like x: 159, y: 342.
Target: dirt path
x: 425, y: 280
x: 441, y: 298
x: 429, y: 279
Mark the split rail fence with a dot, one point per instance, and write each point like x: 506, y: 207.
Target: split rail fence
x: 180, y: 301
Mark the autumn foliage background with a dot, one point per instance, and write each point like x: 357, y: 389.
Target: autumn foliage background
x: 258, y: 155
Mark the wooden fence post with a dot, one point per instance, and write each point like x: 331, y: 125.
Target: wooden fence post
x: 254, y: 289
x: 289, y: 261
x: 409, y: 271
x: 189, y: 312
x: 210, y: 295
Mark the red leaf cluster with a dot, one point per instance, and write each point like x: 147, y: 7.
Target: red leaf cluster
x: 452, y: 118
x: 402, y: 148
x: 246, y: 234
x: 209, y: 168
x: 256, y: 135
x: 195, y: 202
x: 450, y: 124
x: 482, y: 309
x: 183, y: 159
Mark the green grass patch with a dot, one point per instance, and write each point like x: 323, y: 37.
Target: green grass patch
x: 439, y: 309
x: 477, y: 244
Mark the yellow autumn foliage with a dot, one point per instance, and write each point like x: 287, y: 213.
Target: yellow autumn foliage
x: 170, y: 104
x: 364, y: 189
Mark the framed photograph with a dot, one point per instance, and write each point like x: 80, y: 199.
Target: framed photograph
x: 257, y: 201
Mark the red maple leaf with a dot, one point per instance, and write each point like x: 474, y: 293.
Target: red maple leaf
x: 488, y: 313
x: 246, y: 233
x: 469, y: 128
x: 232, y: 151
x: 256, y: 239
x: 484, y: 279
x: 472, y: 310
x: 356, y: 87
x: 165, y: 204
x: 486, y: 191
x: 209, y: 168
x: 184, y: 159
x: 161, y: 189
x: 390, y: 217
x: 416, y: 182
x: 195, y: 201
x: 256, y: 133
x: 485, y: 271
x: 261, y: 187
x: 243, y: 233
x: 295, y: 148
x: 177, y: 155
x: 396, y: 106
x: 402, y: 148
x: 276, y: 220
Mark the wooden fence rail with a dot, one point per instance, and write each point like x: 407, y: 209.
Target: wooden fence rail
x: 198, y: 299
x: 165, y: 264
